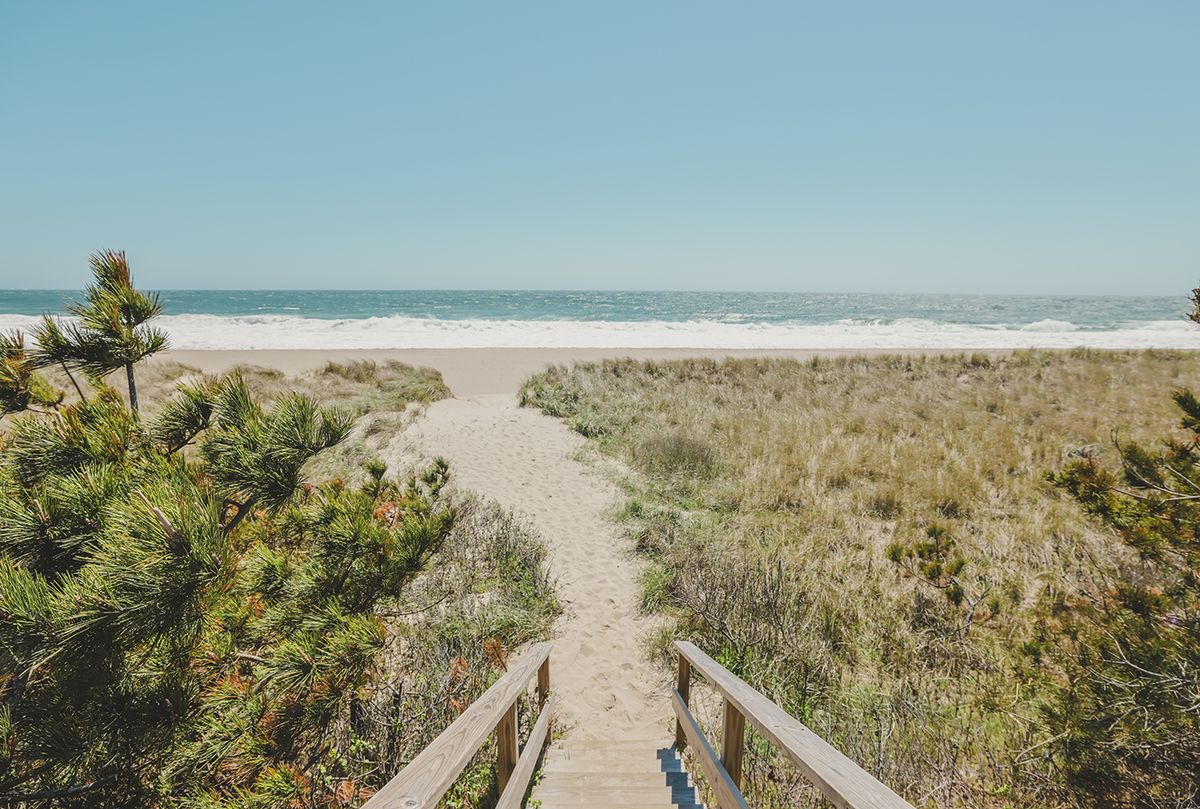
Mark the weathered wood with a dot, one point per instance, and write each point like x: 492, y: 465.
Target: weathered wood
x: 427, y: 777
x: 733, y: 743
x: 843, y: 782
x: 543, y: 685
x: 506, y: 746
x: 727, y: 792
x: 513, y: 795
x: 684, y: 687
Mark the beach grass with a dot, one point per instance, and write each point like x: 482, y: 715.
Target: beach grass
x: 871, y: 540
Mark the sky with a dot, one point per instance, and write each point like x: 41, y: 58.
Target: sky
x: 1019, y: 147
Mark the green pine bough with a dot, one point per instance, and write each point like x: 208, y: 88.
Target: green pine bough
x: 111, y: 328
x: 185, y: 619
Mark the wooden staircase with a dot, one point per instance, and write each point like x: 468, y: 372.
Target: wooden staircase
x: 635, y: 774
x: 630, y: 773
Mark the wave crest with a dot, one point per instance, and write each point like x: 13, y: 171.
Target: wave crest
x: 292, y: 332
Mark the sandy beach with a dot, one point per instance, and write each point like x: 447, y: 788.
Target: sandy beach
x: 477, y: 371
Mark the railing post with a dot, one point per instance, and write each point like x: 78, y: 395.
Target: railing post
x: 684, y: 686
x: 543, y: 685
x: 506, y: 746
x: 733, y: 743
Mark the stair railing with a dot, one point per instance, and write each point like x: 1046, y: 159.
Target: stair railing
x: 840, y: 780
x: 422, y: 783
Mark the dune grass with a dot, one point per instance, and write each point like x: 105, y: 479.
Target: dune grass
x: 871, y: 540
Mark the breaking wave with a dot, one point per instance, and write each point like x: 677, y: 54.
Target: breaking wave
x: 197, y: 331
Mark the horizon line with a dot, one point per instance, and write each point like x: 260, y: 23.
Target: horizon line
x: 1182, y: 295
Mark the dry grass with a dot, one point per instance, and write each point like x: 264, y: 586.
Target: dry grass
x: 361, y: 385
x: 768, y: 493
x: 383, y: 396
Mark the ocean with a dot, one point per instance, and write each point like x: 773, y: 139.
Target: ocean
x: 282, y: 319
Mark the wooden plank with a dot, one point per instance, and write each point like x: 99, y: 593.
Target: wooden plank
x: 684, y: 687
x: 427, y: 777
x: 513, y: 795
x: 733, y: 743
x: 506, y: 746
x: 543, y: 685
x: 844, y: 783
x: 728, y: 795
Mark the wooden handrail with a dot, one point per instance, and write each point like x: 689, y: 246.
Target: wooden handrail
x: 844, y: 783
x: 514, y: 794
x: 425, y: 780
x: 728, y: 794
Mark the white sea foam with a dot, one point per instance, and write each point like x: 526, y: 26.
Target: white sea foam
x: 289, y: 332
x: 1050, y: 326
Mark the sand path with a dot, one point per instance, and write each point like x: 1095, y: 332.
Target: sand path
x: 527, y: 462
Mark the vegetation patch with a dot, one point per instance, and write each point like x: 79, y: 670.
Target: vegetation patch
x: 191, y: 618
x: 875, y: 544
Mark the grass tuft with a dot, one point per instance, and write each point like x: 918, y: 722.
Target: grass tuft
x: 675, y: 454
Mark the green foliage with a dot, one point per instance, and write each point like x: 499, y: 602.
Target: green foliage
x: 1127, y: 726
x: 110, y: 330
x: 936, y: 561
x: 256, y: 455
x: 188, y: 622
x: 154, y: 651
x: 21, y: 388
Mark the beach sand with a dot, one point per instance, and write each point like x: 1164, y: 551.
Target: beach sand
x: 475, y: 371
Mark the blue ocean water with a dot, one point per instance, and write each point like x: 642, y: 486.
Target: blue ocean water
x: 473, y: 318
x: 1085, y: 312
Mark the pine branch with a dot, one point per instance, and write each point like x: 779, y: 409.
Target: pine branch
x: 52, y: 794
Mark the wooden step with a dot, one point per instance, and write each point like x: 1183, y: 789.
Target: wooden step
x: 632, y: 774
x: 578, y: 765
x: 649, y: 796
x: 601, y: 803
x: 620, y: 744
x: 674, y: 780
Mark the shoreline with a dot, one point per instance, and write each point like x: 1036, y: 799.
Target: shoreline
x: 479, y: 371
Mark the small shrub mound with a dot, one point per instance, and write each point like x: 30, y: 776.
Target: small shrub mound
x: 355, y: 370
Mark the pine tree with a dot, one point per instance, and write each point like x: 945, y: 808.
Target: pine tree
x: 183, y: 616
x: 111, y: 330
x: 153, y: 647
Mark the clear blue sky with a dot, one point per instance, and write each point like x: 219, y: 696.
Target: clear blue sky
x: 1032, y: 147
